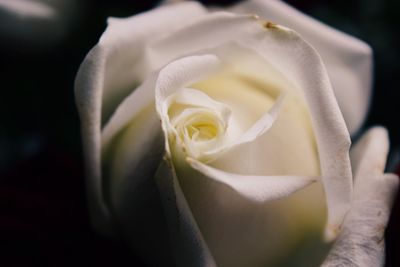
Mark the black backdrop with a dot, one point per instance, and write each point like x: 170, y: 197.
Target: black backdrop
x: 43, y: 216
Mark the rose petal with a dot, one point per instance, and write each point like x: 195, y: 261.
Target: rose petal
x: 187, y: 242
x: 189, y: 70
x: 129, y: 108
x: 282, y: 48
x: 243, y: 230
x: 107, y: 74
x: 126, y: 41
x: 369, y: 155
x: 129, y: 165
x: 260, y: 127
x: 255, y: 188
x: 288, y: 148
x: 347, y: 59
x: 299, y: 62
x: 361, y: 241
x: 181, y: 73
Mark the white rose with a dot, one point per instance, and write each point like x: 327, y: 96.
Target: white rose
x: 216, y: 139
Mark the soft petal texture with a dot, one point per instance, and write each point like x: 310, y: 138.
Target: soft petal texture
x: 107, y: 97
x: 129, y: 163
x: 198, y: 121
x: 181, y: 73
x: 187, y: 242
x: 289, y: 137
x: 257, y: 95
x: 300, y: 61
x: 177, y: 75
x: 347, y: 59
x: 257, y: 220
x: 107, y: 75
x: 256, y: 188
x: 189, y: 70
x: 361, y: 241
x: 259, y: 128
x: 125, y: 42
x: 243, y: 230
x: 293, y: 57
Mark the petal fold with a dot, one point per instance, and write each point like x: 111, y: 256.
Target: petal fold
x: 347, y: 59
x: 108, y: 74
x: 255, y: 188
x: 187, y: 242
x: 361, y: 241
x: 126, y: 41
x: 290, y: 55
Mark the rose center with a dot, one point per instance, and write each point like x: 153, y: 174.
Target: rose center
x: 199, y: 125
x: 202, y: 127
x: 199, y: 122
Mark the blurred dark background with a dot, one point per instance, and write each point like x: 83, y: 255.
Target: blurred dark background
x: 43, y: 216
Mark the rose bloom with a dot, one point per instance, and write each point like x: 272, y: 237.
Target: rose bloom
x: 221, y: 139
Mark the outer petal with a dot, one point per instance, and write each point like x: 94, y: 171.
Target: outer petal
x: 361, y: 241
x: 243, y: 230
x: 347, y: 59
x: 107, y: 74
x: 187, y: 242
x: 130, y: 162
x: 126, y: 41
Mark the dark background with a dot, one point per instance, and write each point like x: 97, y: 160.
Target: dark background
x: 43, y: 216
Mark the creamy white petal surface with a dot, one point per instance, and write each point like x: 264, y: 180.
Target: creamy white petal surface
x: 215, y: 139
x: 347, y: 59
x: 107, y: 75
x: 275, y: 44
x: 361, y: 241
x: 249, y: 32
x: 197, y: 36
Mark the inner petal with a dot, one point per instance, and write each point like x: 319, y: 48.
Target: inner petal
x: 199, y: 124
x: 245, y: 99
x: 198, y: 121
x: 251, y: 88
x: 202, y: 128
